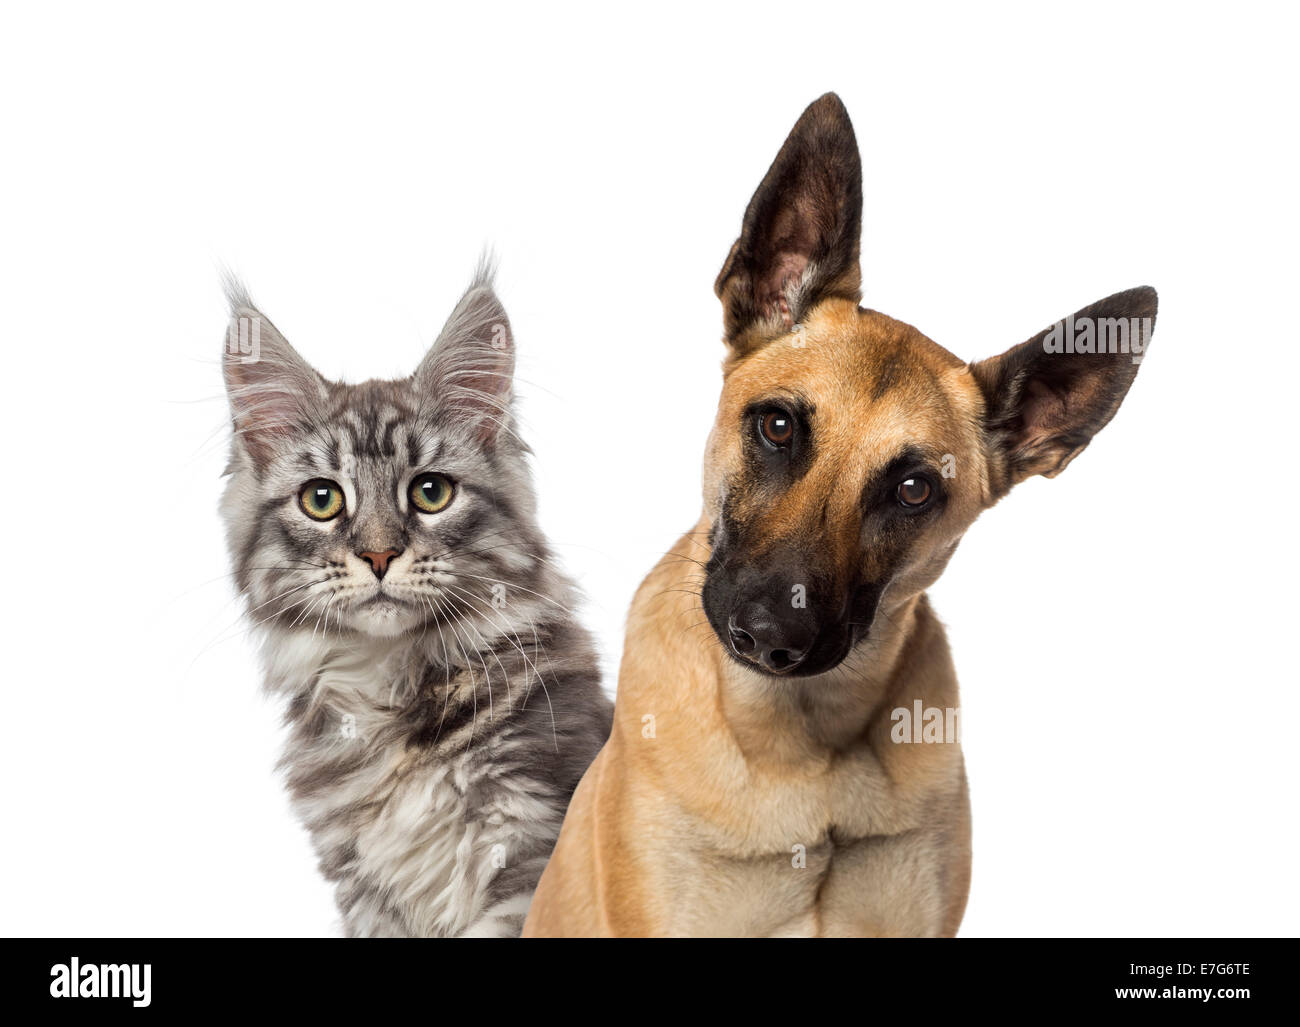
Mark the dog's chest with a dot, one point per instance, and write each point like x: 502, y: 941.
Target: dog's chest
x: 844, y: 853
x: 887, y: 886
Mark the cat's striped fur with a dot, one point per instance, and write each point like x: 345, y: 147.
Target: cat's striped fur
x: 441, y: 713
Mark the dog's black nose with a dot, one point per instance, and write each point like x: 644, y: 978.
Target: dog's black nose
x: 759, y: 636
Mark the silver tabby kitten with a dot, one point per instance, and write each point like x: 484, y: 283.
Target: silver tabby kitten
x: 442, y: 700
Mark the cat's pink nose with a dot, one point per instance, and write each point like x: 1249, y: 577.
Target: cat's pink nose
x: 379, y: 561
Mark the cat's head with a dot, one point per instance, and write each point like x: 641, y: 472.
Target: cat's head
x: 381, y: 507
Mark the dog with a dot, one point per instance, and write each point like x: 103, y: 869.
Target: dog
x: 760, y: 779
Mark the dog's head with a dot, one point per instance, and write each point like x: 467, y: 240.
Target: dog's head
x: 850, y: 452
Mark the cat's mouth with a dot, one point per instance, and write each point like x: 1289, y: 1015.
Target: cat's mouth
x: 382, y: 598
x: 384, y: 615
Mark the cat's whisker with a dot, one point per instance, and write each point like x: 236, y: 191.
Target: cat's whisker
x: 176, y: 597
x: 287, y: 592
x: 514, y: 640
x: 221, y: 634
x: 555, y: 738
x: 324, y: 613
x: 469, y: 597
x: 225, y: 635
x: 518, y: 588
x: 307, y: 612
x: 449, y: 686
x: 454, y: 627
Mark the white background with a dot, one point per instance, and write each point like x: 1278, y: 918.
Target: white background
x: 1124, y: 634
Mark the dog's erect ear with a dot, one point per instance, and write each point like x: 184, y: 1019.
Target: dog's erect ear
x: 1046, y: 398
x: 469, y: 372
x: 799, y: 241
x: 273, y: 391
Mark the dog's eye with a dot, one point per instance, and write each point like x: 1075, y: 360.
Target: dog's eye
x: 321, y: 500
x: 914, y: 492
x: 777, y: 427
x: 431, y: 493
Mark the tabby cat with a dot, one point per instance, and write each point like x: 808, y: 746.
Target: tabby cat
x: 442, y: 700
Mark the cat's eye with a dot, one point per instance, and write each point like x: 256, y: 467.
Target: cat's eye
x: 914, y: 492
x: 777, y: 427
x: 321, y: 500
x: 431, y: 493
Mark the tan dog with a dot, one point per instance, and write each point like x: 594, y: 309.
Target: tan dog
x: 764, y: 775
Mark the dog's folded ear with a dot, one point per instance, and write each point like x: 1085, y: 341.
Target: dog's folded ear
x: 1046, y: 398
x: 799, y: 240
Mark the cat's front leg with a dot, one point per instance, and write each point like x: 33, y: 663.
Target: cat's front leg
x: 505, y: 919
x: 371, y: 921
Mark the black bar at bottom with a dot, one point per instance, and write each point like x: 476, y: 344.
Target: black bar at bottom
x: 491, y: 981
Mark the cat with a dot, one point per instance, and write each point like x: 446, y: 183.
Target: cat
x: 443, y: 701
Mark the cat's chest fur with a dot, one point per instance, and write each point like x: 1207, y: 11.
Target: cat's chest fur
x: 425, y: 838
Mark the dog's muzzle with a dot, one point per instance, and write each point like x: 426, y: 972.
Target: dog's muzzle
x: 769, y: 619
x: 760, y: 636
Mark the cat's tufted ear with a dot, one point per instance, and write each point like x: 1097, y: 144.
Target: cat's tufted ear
x: 799, y: 240
x: 468, y: 375
x: 273, y: 391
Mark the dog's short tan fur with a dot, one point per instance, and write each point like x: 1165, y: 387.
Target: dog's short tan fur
x: 731, y: 801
